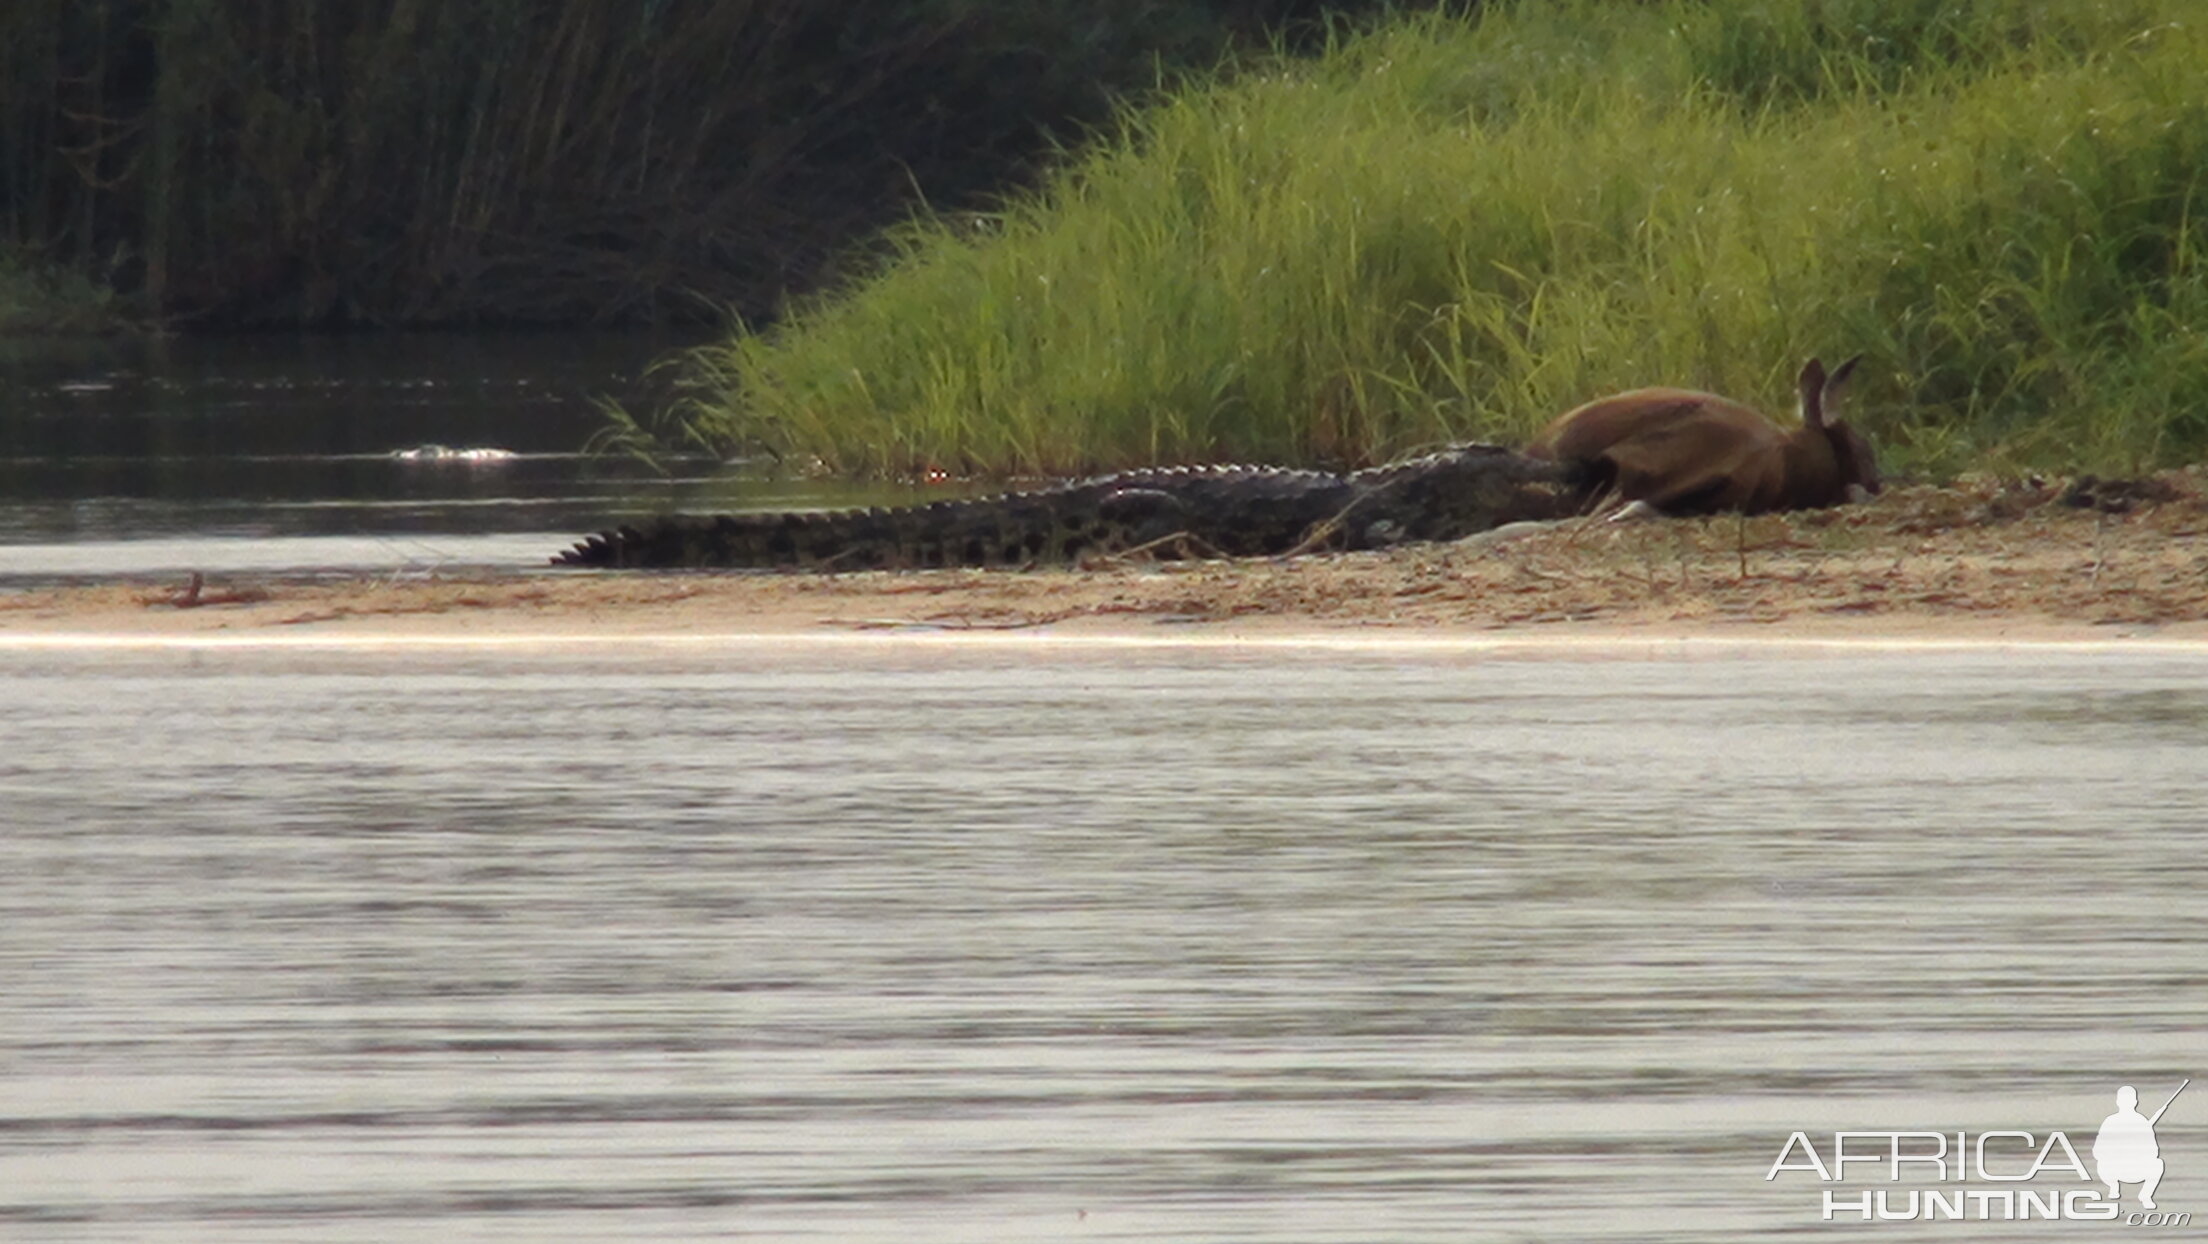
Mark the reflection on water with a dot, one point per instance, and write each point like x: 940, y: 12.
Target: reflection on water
x: 926, y: 942
x: 151, y: 456
x: 294, y: 435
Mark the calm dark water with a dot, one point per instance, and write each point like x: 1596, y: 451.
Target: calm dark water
x: 292, y: 453
x: 913, y: 940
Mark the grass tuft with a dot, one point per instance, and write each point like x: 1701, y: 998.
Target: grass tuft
x: 42, y: 299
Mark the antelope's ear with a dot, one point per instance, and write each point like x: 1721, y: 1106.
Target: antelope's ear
x: 1840, y: 376
x: 1809, y: 388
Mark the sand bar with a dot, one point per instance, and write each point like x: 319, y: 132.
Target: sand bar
x: 1972, y: 564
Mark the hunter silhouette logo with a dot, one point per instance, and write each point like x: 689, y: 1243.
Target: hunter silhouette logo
x: 2125, y: 1151
x: 2004, y: 1174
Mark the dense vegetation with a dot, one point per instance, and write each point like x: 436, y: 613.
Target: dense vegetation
x: 1458, y: 226
x: 345, y: 162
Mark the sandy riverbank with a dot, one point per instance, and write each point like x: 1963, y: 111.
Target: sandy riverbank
x: 1976, y: 561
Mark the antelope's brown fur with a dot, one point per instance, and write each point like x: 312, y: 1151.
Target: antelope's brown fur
x: 1684, y: 452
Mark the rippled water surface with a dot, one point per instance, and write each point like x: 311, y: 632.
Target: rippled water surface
x: 915, y: 941
x: 335, y: 453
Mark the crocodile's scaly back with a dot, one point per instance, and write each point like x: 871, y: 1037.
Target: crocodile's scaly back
x: 1175, y: 512
x: 1237, y: 511
x: 1457, y: 492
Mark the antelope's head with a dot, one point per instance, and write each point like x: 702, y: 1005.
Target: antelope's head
x: 1854, y: 461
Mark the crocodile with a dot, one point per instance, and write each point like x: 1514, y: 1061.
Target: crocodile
x: 1168, y: 513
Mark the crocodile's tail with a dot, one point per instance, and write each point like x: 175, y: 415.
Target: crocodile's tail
x: 824, y: 540
x: 1020, y: 529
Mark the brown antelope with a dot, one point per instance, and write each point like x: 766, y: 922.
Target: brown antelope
x: 1676, y: 451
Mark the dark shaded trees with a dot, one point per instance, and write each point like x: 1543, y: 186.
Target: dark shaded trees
x: 349, y: 162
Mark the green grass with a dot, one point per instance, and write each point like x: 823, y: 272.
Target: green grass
x: 39, y: 299
x: 1458, y: 227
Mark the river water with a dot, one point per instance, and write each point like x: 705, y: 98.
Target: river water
x: 928, y: 939
x: 918, y: 939
x: 149, y: 458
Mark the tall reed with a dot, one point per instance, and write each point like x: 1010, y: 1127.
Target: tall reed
x: 38, y: 297
x: 394, y: 161
x: 1458, y: 226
